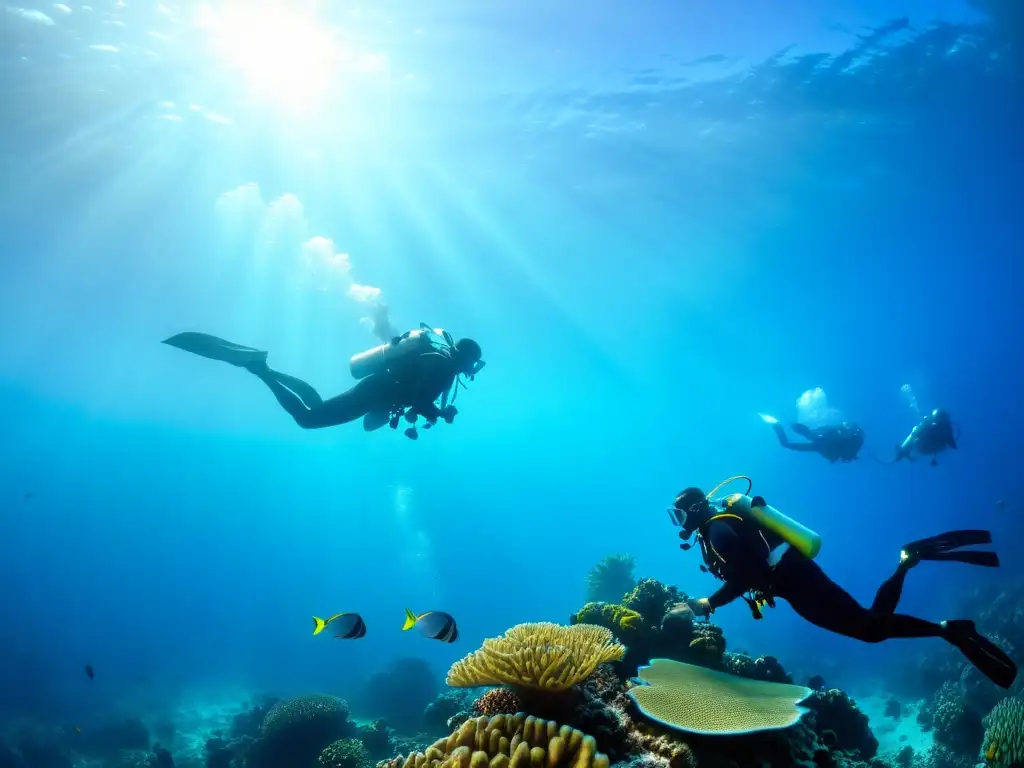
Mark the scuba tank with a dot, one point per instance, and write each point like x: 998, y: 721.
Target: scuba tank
x: 400, y: 349
x: 798, y: 536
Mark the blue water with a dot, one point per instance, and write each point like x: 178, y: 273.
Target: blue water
x: 657, y: 221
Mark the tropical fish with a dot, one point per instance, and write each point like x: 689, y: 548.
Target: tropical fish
x: 437, y: 625
x: 344, y: 626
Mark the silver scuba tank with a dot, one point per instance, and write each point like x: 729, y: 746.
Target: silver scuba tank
x: 387, y: 356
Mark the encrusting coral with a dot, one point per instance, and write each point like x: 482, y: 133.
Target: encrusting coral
x: 1004, y: 735
x: 610, y: 579
x: 542, y: 656
x: 507, y: 741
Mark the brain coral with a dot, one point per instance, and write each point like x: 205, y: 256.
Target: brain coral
x: 544, y: 656
x: 504, y: 741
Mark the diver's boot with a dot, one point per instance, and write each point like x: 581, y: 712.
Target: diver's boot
x: 940, y: 548
x: 988, y: 657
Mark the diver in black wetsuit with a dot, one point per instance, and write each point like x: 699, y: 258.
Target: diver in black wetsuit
x: 758, y: 565
x: 838, y: 442
x: 403, y: 378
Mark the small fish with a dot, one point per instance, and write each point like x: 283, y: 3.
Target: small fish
x: 78, y: 729
x: 437, y: 625
x: 1000, y: 505
x: 344, y: 626
x: 90, y: 672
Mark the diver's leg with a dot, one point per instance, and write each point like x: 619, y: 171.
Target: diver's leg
x: 344, y: 408
x: 780, y: 432
x: 306, y: 393
x: 819, y: 600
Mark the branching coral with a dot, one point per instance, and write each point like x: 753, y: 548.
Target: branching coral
x: 516, y: 741
x: 543, y: 656
x: 610, y: 579
x: 1003, y: 744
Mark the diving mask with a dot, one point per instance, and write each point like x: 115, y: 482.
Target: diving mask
x: 689, y: 507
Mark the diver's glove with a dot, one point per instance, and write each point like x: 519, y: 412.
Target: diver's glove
x: 448, y: 413
x: 758, y: 501
x: 701, y: 607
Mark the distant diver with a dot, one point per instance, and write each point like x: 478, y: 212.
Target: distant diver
x: 838, y: 442
x: 401, y: 379
x: 760, y: 555
x: 932, y: 435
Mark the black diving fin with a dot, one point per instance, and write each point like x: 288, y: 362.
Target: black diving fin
x: 942, y: 548
x: 988, y: 657
x: 214, y: 348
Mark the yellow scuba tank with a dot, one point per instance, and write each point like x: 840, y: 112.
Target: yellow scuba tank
x: 387, y: 356
x: 800, y: 537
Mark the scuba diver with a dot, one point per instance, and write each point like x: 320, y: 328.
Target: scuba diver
x: 761, y: 554
x: 401, y: 379
x: 932, y: 435
x: 838, y: 442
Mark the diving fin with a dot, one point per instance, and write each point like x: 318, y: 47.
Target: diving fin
x: 940, y: 548
x: 988, y: 657
x: 205, y: 345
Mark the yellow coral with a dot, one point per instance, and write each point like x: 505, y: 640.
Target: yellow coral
x: 545, y: 656
x: 507, y: 741
x: 699, y: 700
x: 614, y: 617
x: 1004, y: 734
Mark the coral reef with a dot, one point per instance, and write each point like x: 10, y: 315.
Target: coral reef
x: 765, y: 668
x: 652, y: 600
x: 957, y: 724
x: 503, y: 741
x: 837, y: 713
x: 345, y: 753
x: 377, y: 739
x: 610, y: 579
x: 296, y: 730
x: 543, y: 656
x: 400, y: 694
x: 444, y: 707
x: 620, y: 620
x: 1003, y: 745
x: 666, y: 627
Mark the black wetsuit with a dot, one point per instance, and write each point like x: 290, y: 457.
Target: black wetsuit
x: 416, y: 386
x: 742, y: 561
x: 836, y: 443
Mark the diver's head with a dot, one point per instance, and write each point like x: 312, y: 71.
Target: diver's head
x: 691, y: 510
x: 467, y: 353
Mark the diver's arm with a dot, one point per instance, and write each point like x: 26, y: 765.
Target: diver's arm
x: 433, y: 377
x: 724, y: 595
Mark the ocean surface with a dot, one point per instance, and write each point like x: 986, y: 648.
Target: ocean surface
x: 658, y: 219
